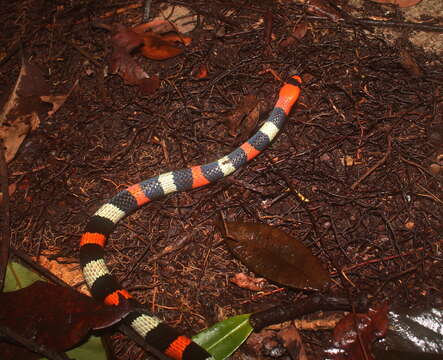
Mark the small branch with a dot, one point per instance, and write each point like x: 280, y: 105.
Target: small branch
x: 377, y: 165
x: 279, y: 314
x: 398, y: 24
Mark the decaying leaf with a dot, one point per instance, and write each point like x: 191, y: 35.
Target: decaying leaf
x: 298, y: 32
x: 293, y: 342
x: 400, y: 3
x: 354, y: 334
x: 200, y: 72
x: 246, y: 282
x: 27, y: 104
x: 57, y: 317
x: 153, y: 44
x: 243, y: 110
x: 270, y: 252
x: 183, y: 18
x: 64, y: 268
x: 409, y: 64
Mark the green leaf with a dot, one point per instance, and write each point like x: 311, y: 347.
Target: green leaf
x: 223, y: 338
x: 92, y: 349
x: 19, y: 277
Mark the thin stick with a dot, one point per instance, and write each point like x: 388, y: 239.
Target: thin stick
x: 377, y: 165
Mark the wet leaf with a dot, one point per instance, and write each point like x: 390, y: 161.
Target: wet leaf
x: 57, y: 317
x: 400, y: 3
x: 223, y: 338
x: 355, y: 333
x: 272, y: 253
x: 26, y: 105
x: 413, y: 334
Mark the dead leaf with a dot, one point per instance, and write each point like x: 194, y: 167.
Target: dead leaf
x: 201, y: 72
x: 354, y: 334
x: 183, y: 18
x: 409, y: 64
x: 152, y: 45
x: 293, y: 343
x: 270, y: 252
x: 235, y: 118
x: 400, y: 3
x: 246, y: 282
x: 55, y: 316
x: 298, y: 32
x: 64, y: 268
x: 24, y: 108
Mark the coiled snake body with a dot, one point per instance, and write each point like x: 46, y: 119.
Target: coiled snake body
x: 104, y: 286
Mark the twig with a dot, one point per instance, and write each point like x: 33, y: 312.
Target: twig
x: 399, y: 24
x: 279, y: 314
x: 5, y: 218
x: 377, y: 165
x: 146, y: 10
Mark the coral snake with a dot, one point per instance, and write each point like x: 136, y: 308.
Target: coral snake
x: 104, y: 287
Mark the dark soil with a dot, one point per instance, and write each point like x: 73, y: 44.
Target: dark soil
x: 358, y: 145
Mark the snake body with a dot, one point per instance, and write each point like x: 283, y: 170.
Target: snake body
x: 104, y: 287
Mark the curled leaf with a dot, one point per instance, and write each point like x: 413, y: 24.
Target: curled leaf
x: 272, y: 253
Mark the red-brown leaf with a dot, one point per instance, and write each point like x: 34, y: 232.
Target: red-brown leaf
x: 57, y: 317
x: 355, y: 333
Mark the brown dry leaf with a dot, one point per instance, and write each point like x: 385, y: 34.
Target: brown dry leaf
x: 298, y: 33
x: 235, y: 118
x: 153, y: 45
x: 400, y: 3
x: 293, y: 343
x: 27, y: 103
x: 64, y: 268
x: 409, y: 64
x: 246, y: 282
x: 183, y: 19
x: 271, y: 252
